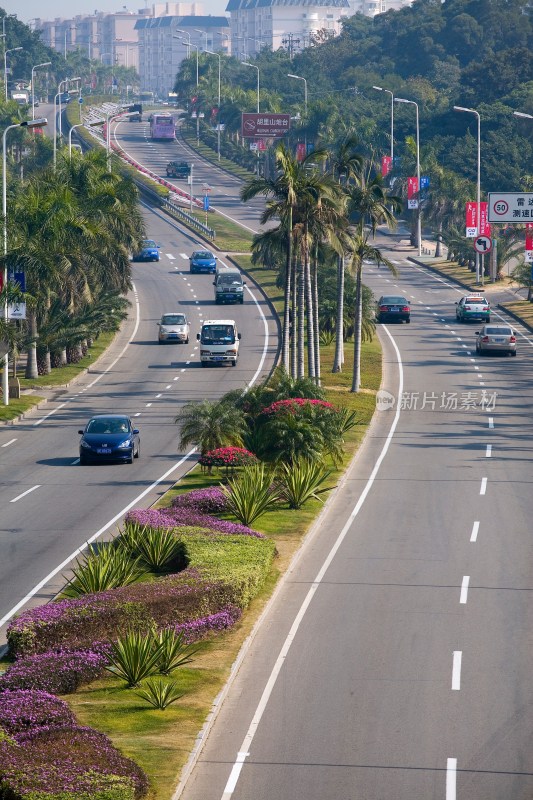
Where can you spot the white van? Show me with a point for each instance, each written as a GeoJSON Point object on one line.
{"type": "Point", "coordinates": [219, 342]}
{"type": "Point", "coordinates": [229, 285]}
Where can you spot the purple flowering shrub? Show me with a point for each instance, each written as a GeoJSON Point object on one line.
{"type": "Point", "coordinates": [76, 623]}
{"type": "Point", "coordinates": [24, 709]}
{"type": "Point", "coordinates": [68, 763]}
{"type": "Point", "coordinates": [183, 517]}
{"type": "Point", "coordinates": [211, 500]}
{"type": "Point", "coordinates": [58, 672]}
{"type": "Point", "coordinates": [196, 629]}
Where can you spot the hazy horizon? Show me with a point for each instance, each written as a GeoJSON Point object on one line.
{"type": "Point", "coordinates": [71, 8]}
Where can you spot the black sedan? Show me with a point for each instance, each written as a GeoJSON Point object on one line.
{"type": "Point", "coordinates": [109, 437]}
{"type": "Point", "coordinates": [392, 308]}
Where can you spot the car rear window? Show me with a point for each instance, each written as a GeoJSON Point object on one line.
{"type": "Point", "coordinates": [498, 331]}
{"type": "Point", "coordinates": [473, 300]}
{"type": "Point", "coordinates": [394, 301]}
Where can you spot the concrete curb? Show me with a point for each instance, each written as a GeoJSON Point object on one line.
{"type": "Point", "coordinates": [516, 317]}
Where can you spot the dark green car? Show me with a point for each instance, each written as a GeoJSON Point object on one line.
{"type": "Point", "coordinates": [473, 307]}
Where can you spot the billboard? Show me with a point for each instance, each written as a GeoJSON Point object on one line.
{"type": "Point", "coordinates": [510, 206]}
{"type": "Point", "coordinates": [269, 126]}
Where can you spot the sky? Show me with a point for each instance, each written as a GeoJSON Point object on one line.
{"type": "Point", "coordinates": [29, 9]}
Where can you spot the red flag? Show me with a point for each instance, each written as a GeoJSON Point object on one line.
{"type": "Point", "coordinates": [412, 192]}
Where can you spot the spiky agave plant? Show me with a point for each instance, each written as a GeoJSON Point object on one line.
{"type": "Point", "coordinates": [160, 693]}
{"type": "Point", "coordinates": [173, 652]}
{"type": "Point", "coordinates": [101, 568]}
{"type": "Point", "coordinates": [303, 480]}
{"type": "Point", "coordinates": [251, 494]}
{"type": "Point", "coordinates": [133, 657]}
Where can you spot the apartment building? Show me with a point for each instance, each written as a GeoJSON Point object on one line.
{"type": "Point", "coordinates": [165, 41]}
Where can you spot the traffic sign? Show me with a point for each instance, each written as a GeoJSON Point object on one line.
{"type": "Point", "coordinates": [206, 202]}
{"type": "Point", "coordinates": [510, 206]}
{"type": "Point", "coordinates": [483, 244]}
{"type": "Point", "coordinates": [80, 100]}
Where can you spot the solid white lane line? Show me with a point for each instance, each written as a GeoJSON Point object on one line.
{"type": "Point", "coordinates": [475, 531]}
{"type": "Point", "coordinates": [53, 411]}
{"type": "Point", "coordinates": [491, 422]}
{"type": "Point", "coordinates": [8, 443]}
{"type": "Point", "coordinates": [456, 670]}
{"type": "Point", "coordinates": [488, 454]}
{"type": "Point", "coordinates": [267, 691]}
{"type": "Point", "coordinates": [28, 491]}
{"type": "Point", "coordinates": [464, 589]}
{"type": "Point", "coordinates": [451, 779]}
{"type": "Point", "coordinates": [483, 488]}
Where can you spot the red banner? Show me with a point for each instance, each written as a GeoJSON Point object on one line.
{"type": "Point", "coordinates": [386, 165]}
{"type": "Point", "coordinates": [300, 151]}
{"type": "Point", "coordinates": [529, 243]}
{"type": "Point", "coordinates": [484, 224]}
{"type": "Point", "coordinates": [412, 192]}
{"type": "Point", "coordinates": [471, 220]}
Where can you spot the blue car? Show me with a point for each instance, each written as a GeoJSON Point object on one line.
{"type": "Point", "coordinates": [109, 437]}
{"type": "Point", "coordinates": [149, 251]}
{"type": "Point", "coordinates": [203, 261]}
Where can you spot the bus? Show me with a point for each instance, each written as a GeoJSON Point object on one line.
{"type": "Point", "coordinates": [162, 127]}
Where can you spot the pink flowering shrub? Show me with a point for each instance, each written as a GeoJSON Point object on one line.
{"type": "Point", "coordinates": [211, 500]}
{"type": "Point", "coordinates": [183, 517]}
{"type": "Point", "coordinates": [58, 672]}
{"type": "Point", "coordinates": [68, 763]}
{"type": "Point", "coordinates": [293, 404]}
{"type": "Point", "coordinates": [23, 710]}
{"type": "Point", "coordinates": [228, 457]}
{"type": "Point", "coordinates": [196, 629]}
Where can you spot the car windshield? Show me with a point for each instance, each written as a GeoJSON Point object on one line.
{"type": "Point", "coordinates": [230, 280]}
{"type": "Point", "coordinates": [108, 425]}
{"type": "Point", "coordinates": [149, 243]}
{"type": "Point", "coordinates": [388, 301]}
{"type": "Point", "coordinates": [498, 331]}
{"type": "Point", "coordinates": [173, 319]}
{"type": "Point", "coordinates": [218, 334]}
{"type": "Point", "coordinates": [202, 254]}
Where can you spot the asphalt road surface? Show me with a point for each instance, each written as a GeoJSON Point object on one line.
{"type": "Point", "coordinates": [49, 504]}
{"type": "Point", "coordinates": [394, 662]}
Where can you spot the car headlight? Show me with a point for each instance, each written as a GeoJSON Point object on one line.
{"type": "Point", "coordinates": [83, 443]}
{"type": "Point", "coordinates": [164, 330]}
{"type": "Point", "coordinates": [124, 444]}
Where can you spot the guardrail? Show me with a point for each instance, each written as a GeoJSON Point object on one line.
{"type": "Point", "coordinates": [178, 212]}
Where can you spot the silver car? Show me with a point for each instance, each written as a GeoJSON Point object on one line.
{"type": "Point", "coordinates": [173, 328]}
{"type": "Point", "coordinates": [496, 339]}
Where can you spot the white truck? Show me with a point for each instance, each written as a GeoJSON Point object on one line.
{"type": "Point", "coordinates": [20, 96]}
{"type": "Point", "coordinates": [219, 342]}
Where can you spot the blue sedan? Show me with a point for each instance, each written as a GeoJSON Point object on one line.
{"type": "Point", "coordinates": [149, 251]}
{"type": "Point", "coordinates": [203, 261]}
{"type": "Point", "coordinates": [109, 437]}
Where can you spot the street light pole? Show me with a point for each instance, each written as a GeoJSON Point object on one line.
{"type": "Point", "coordinates": [185, 33]}
{"type": "Point", "coordinates": [203, 33]}
{"type": "Point", "coordinates": [478, 201]}
{"type": "Point", "coordinates": [211, 53]}
{"type": "Point", "coordinates": [78, 125]}
{"type": "Point", "coordinates": [44, 64]}
{"type": "Point", "coordinates": [419, 210]}
{"type": "Point", "coordinates": [380, 89]}
{"type": "Point", "coordinates": [11, 50]}
{"type": "Point", "coordinates": [247, 64]}
{"type": "Point", "coordinates": [68, 30]}
{"type": "Point", "coordinates": [41, 122]}
{"type": "Point", "coordinates": [299, 78]}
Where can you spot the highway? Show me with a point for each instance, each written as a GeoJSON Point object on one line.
{"type": "Point", "coordinates": [394, 661]}
{"type": "Point", "coordinates": [51, 505]}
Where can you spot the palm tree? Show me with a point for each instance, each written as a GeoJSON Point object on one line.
{"type": "Point", "coordinates": [345, 165]}
{"type": "Point", "coordinates": [371, 205]}
{"type": "Point", "coordinates": [210, 425]}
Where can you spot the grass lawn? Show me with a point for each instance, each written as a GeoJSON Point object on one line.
{"type": "Point", "coordinates": [522, 309]}
{"type": "Point", "coordinates": [451, 269]}
{"type": "Point", "coordinates": [18, 407]}
{"type": "Point", "coordinates": [62, 375]}
{"type": "Point", "coordinates": [229, 236]}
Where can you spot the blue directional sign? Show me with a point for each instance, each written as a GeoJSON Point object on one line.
{"type": "Point", "coordinates": [424, 182]}
{"type": "Point", "coordinates": [19, 278]}
{"type": "Point", "coordinates": [206, 202]}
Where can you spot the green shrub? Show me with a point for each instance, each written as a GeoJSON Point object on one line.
{"type": "Point", "coordinates": [251, 494]}
{"type": "Point", "coordinates": [102, 567]}
{"type": "Point", "coordinates": [160, 693]}
{"type": "Point", "coordinates": [133, 657]}
{"type": "Point", "coordinates": [302, 481]}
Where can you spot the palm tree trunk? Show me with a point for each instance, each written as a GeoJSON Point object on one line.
{"type": "Point", "coordinates": [339, 323]}
{"type": "Point", "coordinates": [287, 300]}
{"type": "Point", "coordinates": [438, 248]}
{"type": "Point", "coordinates": [358, 317]}
{"type": "Point", "coordinates": [31, 364]}
{"type": "Point", "coordinates": [294, 316]}
{"type": "Point", "coordinates": [300, 345]}
{"type": "Point", "coordinates": [316, 325]}
{"type": "Point", "coordinates": [309, 317]}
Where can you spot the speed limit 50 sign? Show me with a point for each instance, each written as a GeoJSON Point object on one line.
{"type": "Point", "coordinates": [510, 206]}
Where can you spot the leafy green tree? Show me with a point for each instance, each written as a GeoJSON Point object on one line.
{"type": "Point", "coordinates": [210, 425]}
